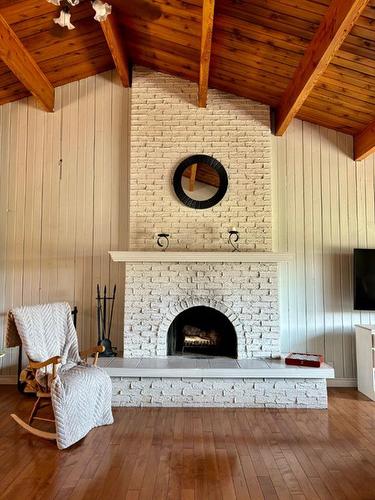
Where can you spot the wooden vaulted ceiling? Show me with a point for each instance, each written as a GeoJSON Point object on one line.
{"type": "Point", "coordinates": [258, 51]}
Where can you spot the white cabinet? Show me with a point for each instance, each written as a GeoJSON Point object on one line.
{"type": "Point", "coordinates": [365, 347]}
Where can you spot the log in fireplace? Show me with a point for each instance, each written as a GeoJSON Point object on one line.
{"type": "Point", "coordinates": [204, 331]}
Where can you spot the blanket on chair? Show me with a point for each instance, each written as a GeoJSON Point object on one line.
{"type": "Point", "coordinates": [80, 394]}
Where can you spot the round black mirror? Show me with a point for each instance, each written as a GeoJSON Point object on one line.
{"type": "Point", "coordinates": [200, 181]}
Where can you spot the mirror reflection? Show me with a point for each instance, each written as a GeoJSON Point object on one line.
{"type": "Point", "coordinates": [200, 181]}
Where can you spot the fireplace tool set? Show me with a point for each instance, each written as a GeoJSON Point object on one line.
{"type": "Point", "coordinates": [105, 305]}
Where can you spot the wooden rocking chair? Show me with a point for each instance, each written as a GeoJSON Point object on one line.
{"type": "Point", "coordinates": [42, 391]}
{"type": "Point", "coordinates": [44, 396]}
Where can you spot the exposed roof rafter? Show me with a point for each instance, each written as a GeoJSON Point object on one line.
{"type": "Point", "coordinates": [364, 142]}
{"type": "Point", "coordinates": [23, 66]}
{"type": "Point", "coordinates": [117, 49]}
{"type": "Point", "coordinates": [206, 42]}
{"type": "Point", "coordinates": [335, 26]}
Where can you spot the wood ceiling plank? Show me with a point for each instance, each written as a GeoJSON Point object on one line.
{"type": "Point", "coordinates": [342, 123]}
{"type": "Point", "coordinates": [283, 47]}
{"type": "Point", "coordinates": [335, 94]}
{"type": "Point", "coordinates": [361, 70]}
{"type": "Point", "coordinates": [364, 142]}
{"type": "Point", "coordinates": [23, 65]}
{"type": "Point", "coordinates": [13, 93]}
{"type": "Point", "coordinates": [262, 15]}
{"type": "Point", "coordinates": [170, 19]}
{"type": "Point", "coordinates": [369, 11]}
{"type": "Point", "coordinates": [250, 32]}
{"type": "Point", "coordinates": [336, 110]}
{"type": "Point", "coordinates": [165, 33]}
{"type": "Point", "coordinates": [17, 11]}
{"type": "Point", "coordinates": [312, 116]}
{"type": "Point", "coordinates": [300, 12]}
{"type": "Point", "coordinates": [181, 9]}
{"type": "Point", "coordinates": [183, 5]}
{"type": "Point", "coordinates": [6, 75]}
{"type": "Point", "coordinates": [350, 79]}
{"type": "Point", "coordinates": [237, 72]}
{"type": "Point", "coordinates": [355, 62]}
{"type": "Point", "coordinates": [235, 40]}
{"type": "Point", "coordinates": [164, 66]}
{"type": "Point", "coordinates": [184, 53]}
{"type": "Point", "coordinates": [32, 11]}
{"type": "Point", "coordinates": [360, 47]}
{"type": "Point", "coordinates": [116, 47]}
{"type": "Point", "coordinates": [206, 43]}
{"type": "Point", "coordinates": [154, 36]}
{"type": "Point", "coordinates": [162, 55]}
{"type": "Point", "coordinates": [56, 68]}
{"type": "Point", "coordinates": [346, 89]}
{"type": "Point", "coordinates": [44, 24]}
{"type": "Point", "coordinates": [55, 48]}
{"type": "Point", "coordinates": [85, 69]}
{"type": "Point", "coordinates": [53, 34]}
{"type": "Point", "coordinates": [223, 81]}
{"type": "Point", "coordinates": [337, 22]}
{"type": "Point", "coordinates": [310, 11]}
{"type": "Point", "coordinates": [269, 16]}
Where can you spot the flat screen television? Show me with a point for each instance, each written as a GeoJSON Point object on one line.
{"type": "Point", "coordinates": [364, 279]}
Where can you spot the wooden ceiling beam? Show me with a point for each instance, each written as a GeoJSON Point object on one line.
{"type": "Point", "coordinates": [24, 67]}
{"type": "Point", "coordinates": [116, 46]}
{"type": "Point", "coordinates": [206, 42]}
{"type": "Point", "coordinates": [335, 26]}
{"type": "Point", "coordinates": [364, 142]}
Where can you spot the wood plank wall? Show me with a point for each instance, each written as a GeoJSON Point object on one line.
{"type": "Point", "coordinates": [58, 223]}
{"type": "Point", "coordinates": [323, 208]}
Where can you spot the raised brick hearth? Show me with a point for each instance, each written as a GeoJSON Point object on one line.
{"type": "Point", "coordinates": [179, 381]}
{"type": "Point", "coordinates": [213, 392]}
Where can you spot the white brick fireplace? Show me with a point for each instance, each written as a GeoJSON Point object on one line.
{"type": "Point", "coordinates": [198, 269]}
{"type": "Point", "coordinates": [166, 127]}
{"type": "Point", "coordinates": [246, 293]}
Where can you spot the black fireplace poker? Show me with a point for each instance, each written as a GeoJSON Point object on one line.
{"type": "Point", "coordinates": [105, 303]}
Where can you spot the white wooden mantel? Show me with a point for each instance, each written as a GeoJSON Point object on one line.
{"type": "Point", "coordinates": [213, 256]}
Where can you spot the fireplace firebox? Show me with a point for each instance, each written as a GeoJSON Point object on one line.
{"type": "Point", "coordinates": [202, 330]}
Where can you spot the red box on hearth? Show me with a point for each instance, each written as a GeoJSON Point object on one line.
{"type": "Point", "coordinates": [304, 359]}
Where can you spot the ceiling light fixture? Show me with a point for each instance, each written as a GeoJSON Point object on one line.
{"type": "Point", "coordinates": [64, 19]}
{"type": "Point", "coordinates": [102, 10]}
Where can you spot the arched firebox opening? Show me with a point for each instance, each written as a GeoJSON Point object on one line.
{"type": "Point", "coordinates": [202, 330]}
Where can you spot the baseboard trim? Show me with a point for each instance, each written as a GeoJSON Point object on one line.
{"type": "Point", "coordinates": [342, 382]}
{"type": "Point", "coordinates": [8, 379]}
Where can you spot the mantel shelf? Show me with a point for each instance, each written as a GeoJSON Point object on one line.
{"type": "Point", "coordinates": [213, 256]}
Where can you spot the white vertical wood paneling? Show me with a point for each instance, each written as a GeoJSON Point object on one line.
{"type": "Point", "coordinates": [56, 229]}
{"type": "Point", "coordinates": [323, 208]}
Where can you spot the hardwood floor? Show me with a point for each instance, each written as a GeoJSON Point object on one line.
{"type": "Point", "coordinates": [199, 454]}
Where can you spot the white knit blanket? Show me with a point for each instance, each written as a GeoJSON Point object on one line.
{"type": "Point", "coordinates": [81, 394]}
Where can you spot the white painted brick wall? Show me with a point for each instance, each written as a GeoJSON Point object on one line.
{"type": "Point", "coordinates": [246, 293]}
{"type": "Point", "coordinates": [212, 392]}
{"type": "Point", "coordinates": [166, 127]}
